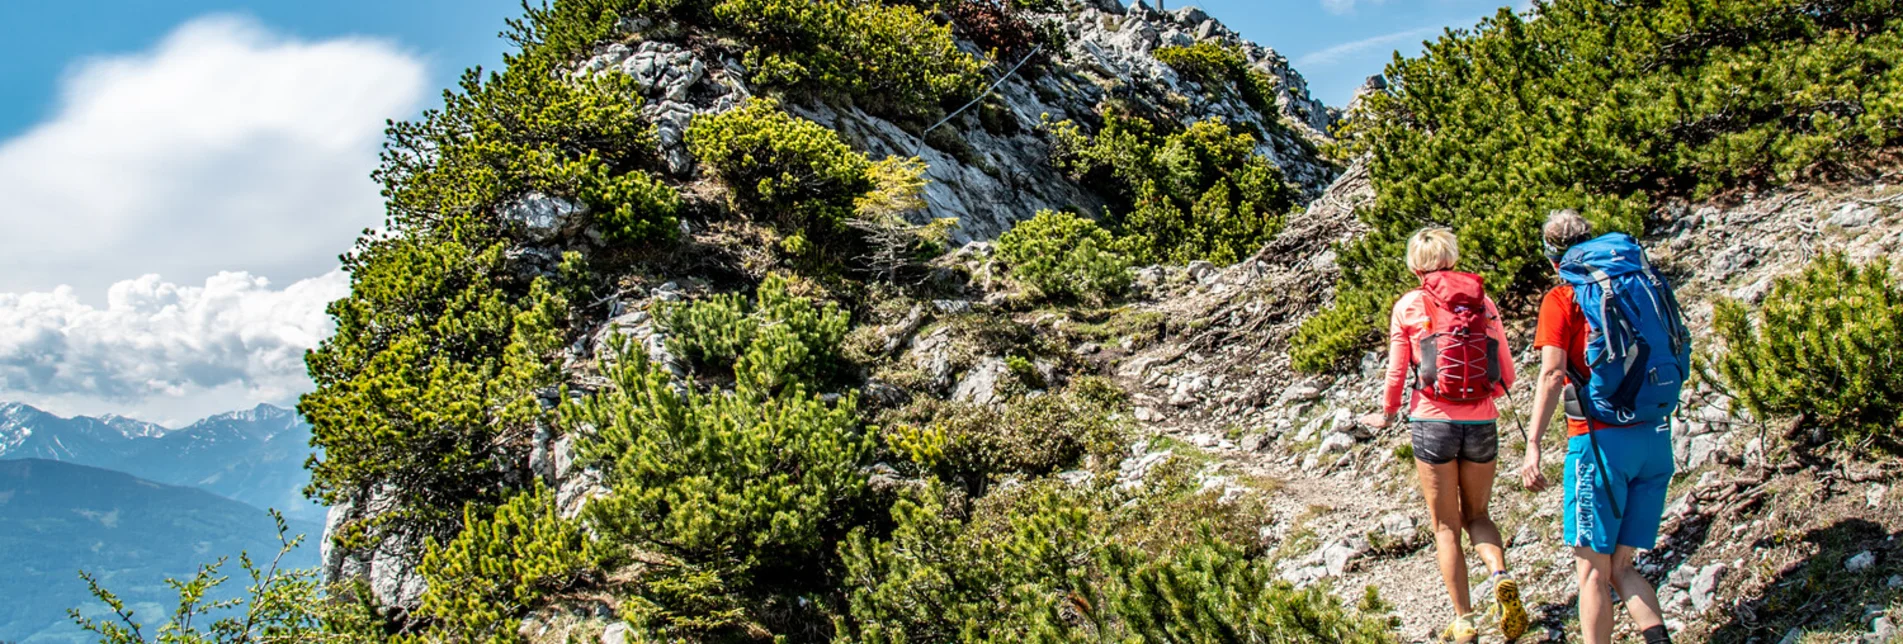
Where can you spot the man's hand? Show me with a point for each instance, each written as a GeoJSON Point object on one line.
{"type": "Point", "coordinates": [1377, 421]}
{"type": "Point", "coordinates": [1530, 474]}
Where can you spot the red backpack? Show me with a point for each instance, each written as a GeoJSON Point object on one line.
{"type": "Point", "coordinates": [1457, 360]}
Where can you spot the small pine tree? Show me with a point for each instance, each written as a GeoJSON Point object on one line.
{"type": "Point", "coordinates": [1180, 193]}
{"type": "Point", "coordinates": [1066, 257]}
{"type": "Point", "coordinates": [743, 491]}
{"type": "Point", "coordinates": [1826, 344]}
{"type": "Point", "coordinates": [500, 566]}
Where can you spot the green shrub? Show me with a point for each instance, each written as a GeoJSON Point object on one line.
{"type": "Point", "coordinates": [779, 338]}
{"type": "Point", "coordinates": [502, 564]}
{"type": "Point", "coordinates": [526, 130]}
{"type": "Point", "coordinates": [1049, 562]}
{"type": "Point", "coordinates": [743, 491]}
{"type": "Point", "coordinates": [1825, 345]}
{"type": "Point", "coordinates": [997, 578]}
{"type": "Point", "coordinates": [1214, 591]}
{"type": "Point", "coordinates": [1200, 192]}
{"type": "Point", "coordinates": [889, 56]}
{"type": "Point", "coordinates": [426, 389]}
{"type": "Point", "coordinates": [1606, 107]}
{"type": "Point", "coordinates": [1066, 257]}
{"type": "Point", "coordinates": [788, 170]}
{"type": "Point", "coordinates": [1224, 68]}
{"type": "Point", "coordinates": [975, 446]}
{"type": "Point", "coordinates": [1334, 333]}
{"type": "Point", "coordinates": [428, 383]}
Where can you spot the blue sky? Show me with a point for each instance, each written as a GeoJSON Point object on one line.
{"type": "Point", "coordinates": [1336, 43]}
{"type": "Point", "coordinates": [181, 175]}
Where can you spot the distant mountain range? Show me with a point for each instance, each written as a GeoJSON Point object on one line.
{"type": "Point", "coordinates": [59, 518]}
{"type": "Point", "coordinates": [255, 456]}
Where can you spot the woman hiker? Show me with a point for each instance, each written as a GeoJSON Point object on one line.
{"type": "Point", "coordinates": [1447, 335]}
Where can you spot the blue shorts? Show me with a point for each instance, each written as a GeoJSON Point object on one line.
{"type": "Point", "coordinates": [1638, 467]}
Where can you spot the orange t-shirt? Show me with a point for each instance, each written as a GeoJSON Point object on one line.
{"type": "Point", "coordinates": [1563, 325]}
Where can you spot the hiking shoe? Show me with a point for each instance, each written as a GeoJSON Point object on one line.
{"type": "Point", "coordinates": [1462, 631]}
{"type": "Point", "coordinates": [1506, 596]}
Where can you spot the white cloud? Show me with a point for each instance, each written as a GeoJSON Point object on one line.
{"type": "Point", "coordinates": [1383, 44]}
{"type": "Point", "coordinates": [161, 351]}
{"type": "Point", "coordinates": [224, 155]}
{"type": "Point", "coordinates": [225, 147]}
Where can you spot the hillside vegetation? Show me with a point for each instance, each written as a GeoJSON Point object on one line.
{"type": "Point", "coordinates": [579, 391]}
{"type": "Point", "coordinates": [1608, 107]}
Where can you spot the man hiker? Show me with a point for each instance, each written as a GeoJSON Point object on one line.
{"type": "Point", "coordinates": [1613, 345]}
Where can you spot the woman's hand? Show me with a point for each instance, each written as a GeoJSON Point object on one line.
{"type": "Point", "coordinates": [1377, 421]}
{"type": "Point", "coordinates": [1530, 474]}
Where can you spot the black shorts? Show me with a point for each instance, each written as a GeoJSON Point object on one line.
{"type": "Point", "coordinates": [1438, 442]}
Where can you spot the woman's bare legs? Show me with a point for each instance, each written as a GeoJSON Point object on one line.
{"type": "Point", "coordinates": [1440, 485]}
{"type": "Point", "coordinates": [1476, 491]}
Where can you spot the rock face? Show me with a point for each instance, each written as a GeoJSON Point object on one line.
{"type": "Point", "coordinates": [989, 173]}
{"type": "Point", "coordinates": [389, 568]}
{"type": "Point", "coordinates": [678, 83]}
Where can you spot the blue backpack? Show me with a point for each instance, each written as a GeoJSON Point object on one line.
{"type": "Point", "coordinates": [1638, 351]}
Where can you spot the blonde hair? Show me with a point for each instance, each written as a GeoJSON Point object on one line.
{"type": "Point", "coordinates": [1564, 228]}
{"type": "Point", "coordinates": [1432, 249]}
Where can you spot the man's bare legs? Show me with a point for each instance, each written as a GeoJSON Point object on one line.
{"type": "Point", "coordinates": [1601, 573]}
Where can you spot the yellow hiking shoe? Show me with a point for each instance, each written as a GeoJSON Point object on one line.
{"type": "Point", "coordinates": [1506, 596]}
{"type": "Point", "coordinates": [1462, 631]}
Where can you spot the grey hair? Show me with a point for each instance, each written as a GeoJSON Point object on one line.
{"type": "Point", "coordinates": [1565, 227]}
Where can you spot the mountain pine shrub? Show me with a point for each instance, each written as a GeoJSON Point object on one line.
{"type": "Point", "coordinates": [1054, 562]}
{"type": "Point", "coordinates": [891, 57]}
{"type": "Point", "coordinates": [1604, 106]}
{"type": "Point", "coordinates": [427, 387]}
{"type": "Point", "coordinates": [500, 566]}
{"type": "Point", "coordinates": [1211, 590]}
{"type": "Point", "coordinates": [428, 383]}
{"type": "Point", "coordinates": [1825, 344]}
{"type": "Point", "coordinates": [793, 172]}
{"type": "Point", "coordinates": [774, 340]}
{"type": "Point", "coordinates": [742, 492]}
{"type": "Point", "coordinates": [975, 446]}
{"type": "Point", "coordinates": [1180, 195]}
{"type": "Point", "coordinates": [1066, 257]}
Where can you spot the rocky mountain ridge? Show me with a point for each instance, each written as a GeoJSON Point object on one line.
{"type": "Point", "coordinates": [1216, 385]}
{"type": "Point", "coordinates": [989, 171]}
{"type": "Point", "coordinates": [1201, 350]}
{"type": "Point", "coordinates": [254, 455]}
{"type": "Point", "coordinates": [1211, 384]}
